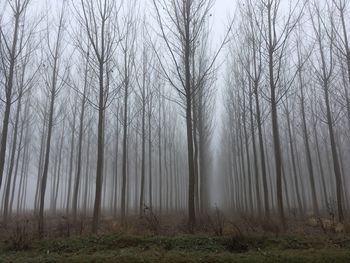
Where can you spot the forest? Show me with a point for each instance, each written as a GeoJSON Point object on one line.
{"type": "Point", "coordinates": [147, 131]}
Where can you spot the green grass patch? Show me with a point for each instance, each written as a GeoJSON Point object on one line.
{"type": "Point", "coordinates": [133, 249]}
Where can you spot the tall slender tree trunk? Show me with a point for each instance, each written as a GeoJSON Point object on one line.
{"type": "Point", "coordinates": [100, 149]}
{"type": "Point", "coordinates": [160, 154]}
{"type": "Point", "coordinates": [196, 149]}
{"type": "Point", "coordinates": [116, 169]}
{"type": "Point", "coordinates": [41, 159]}
{"type": "Point", "coordinates": [53, 94]}
{"type": "Point", "coordinates": [307, 146]}
{"type": "Point", "coordinates": [56, 186]}
{"type": "Point", "coordinates": [80, 142]}
{"type": "Point", "coordinates": [189, 91]}
{"type": "Point", "coordinates": [12, 159]}
{"type": "Point", "coordinates": [191, 191]}
{"type": "Point", "coordinates": [274, 120]}
{"type": "Point", "coordinates": [71, 159]}
{"type": "Point", "coordinates": [14, 184]}
{"type": "Point", "coordinates": [325, 78]}
{"type": "Point", "coordinates": [319, 158]}
{"type": "Point", "coordinates": [255, 157]}
{"type": "Point", "coordinates": [125, 135]}
{"type": "Point", "coordinates": [248, 174]}
{"type": "Point", "coordinates": [295, 173]}
{"type": "Point", "coordinates": [150, 157]}
{"type": "Point", "coordinates": [24, 171]}
{"type": "Point", "coordinates": [336, 167]}
{"type": "Point", "coordinates": [143, 150]}
{"type": "Point", "coordinates": [87, 173]}
{"type": "Point", "coordinates": [46, 163]}
{"type": "Point", "coordinates": [25, 159]}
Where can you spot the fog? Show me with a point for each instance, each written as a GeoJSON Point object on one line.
{"type": "Point", "coordinates": [122, 109]}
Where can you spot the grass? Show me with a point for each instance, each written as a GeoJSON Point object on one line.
{"type": "Point", "coordinates": [198, 248]}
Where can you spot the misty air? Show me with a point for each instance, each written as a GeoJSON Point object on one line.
{"type": "Point", "coordinates": [174, 131]}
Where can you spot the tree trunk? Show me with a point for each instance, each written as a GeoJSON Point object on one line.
{"type": "Point", "coordinates": [160, 155]}
{"type": "Point", "coordinates": [255, 157]}
{"type": "Point", "coordinates": [12, 159]}
{"type": "Point", "coordinates": [80, 142]}
{"type": "Point", "coordinates": [125, 135]}
{"type": "Point", "coordinates": [275, 127]}
{"type": "Point", "coordinates": [100, 151]}
{"type": "Point", "coordinates": [295, 174]}
{"type": "Point", "coordinates": [71, 159]}
{"type": "Point", "coordinates": [307, 147]}
{"type": "Point", "coordinates": [53, 94]}
{"type": "Point", "coordinates": [87, 172]}
{"type": "Point", "coordinates": [143, 150]}
{"type": "Point", "coordinates": [150, 157]}
{"type": "Point", "coordinates": [262, 152]}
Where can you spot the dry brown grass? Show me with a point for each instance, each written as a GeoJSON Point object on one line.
{"type": "Point", "coordinates": [214, 224]}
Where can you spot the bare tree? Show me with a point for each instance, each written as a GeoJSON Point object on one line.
{"type": "Point", "coordinates": [23, 81]}
{"type": "Point", "coordinates": [128, 57]}
{"type": "Point", "coordinates": [256, 50]}
{"type": "Point", "coordinates": [53, 87]}
{"type": "Point", "coordinates": [306, 136]}
{"type": "Point", "coordinates": [99, 22]}
{"type": "Point", "coordinates": [325, 73]}
{"type": "Point", "coordinates": [10, 52]}
{"type": "Point", "coordinates": [80, 136]}
{"type": "Point", "coordinates": [142, 85]}
{"type": "Point", "coordinates": [72, 125]}
{"type": "Point", "coordinates": [181, 25]}
{"type": "Point", "coordinates": [276, 43]}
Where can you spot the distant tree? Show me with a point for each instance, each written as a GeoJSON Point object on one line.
{"type": "Point", "coordinates": [181, 25]}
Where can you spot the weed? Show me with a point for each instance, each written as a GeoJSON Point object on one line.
{"type": "Point", "coordinates": [236, 244]}
{"type": "Point", "coordinates": [20, 240]}
{"type": "Point", "coordinates": [217, 222]}
{"type": "Point", "coordinates": [153, 223]}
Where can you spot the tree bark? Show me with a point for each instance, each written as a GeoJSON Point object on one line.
{"type": "Point", "coordinates": [80, 142]}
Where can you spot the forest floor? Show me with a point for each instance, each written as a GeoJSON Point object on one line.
{"type": "Point", "coordinates": [194, 248]}
{"type": "Point", "coordinates": [301, 243]}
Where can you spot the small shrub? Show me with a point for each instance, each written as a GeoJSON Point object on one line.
{"type": "Point", "coordinates": [270, 227]}
{"type": "Point", "coordinates": [312, 221]}
{"type": "Point", "coordinates": [153, 223]}
{"type": "Point", "coordinates": [63, 227]}
{"type": "Point", "coordinates": [236, 229]}
{"type": "Point", "coordinates": [236, 244]}
{"type": "Point", "coordinates": [249, 223]}
{"type": "Point", "coordinates": [332, 208]}
{"type": "Point", "coordinates": [347, 228]}
{"type": "Point", "coordinates": [19, 239]}
{"type": "Point", "coordinates": [295, 243]}
{"type": "Point", "coordinates": [294, 212]}
{"type": "Point", "coordinates": [327, 225]}
{"type": "Point", "coordinates": [217, 222]}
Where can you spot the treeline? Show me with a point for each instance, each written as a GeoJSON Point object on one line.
{"type": "Point", "coordinates": [108, 111]}
{"type": "Point", "coordinates": [98, 102]}
{"type": "Point", "coordinates": [285, 137]}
